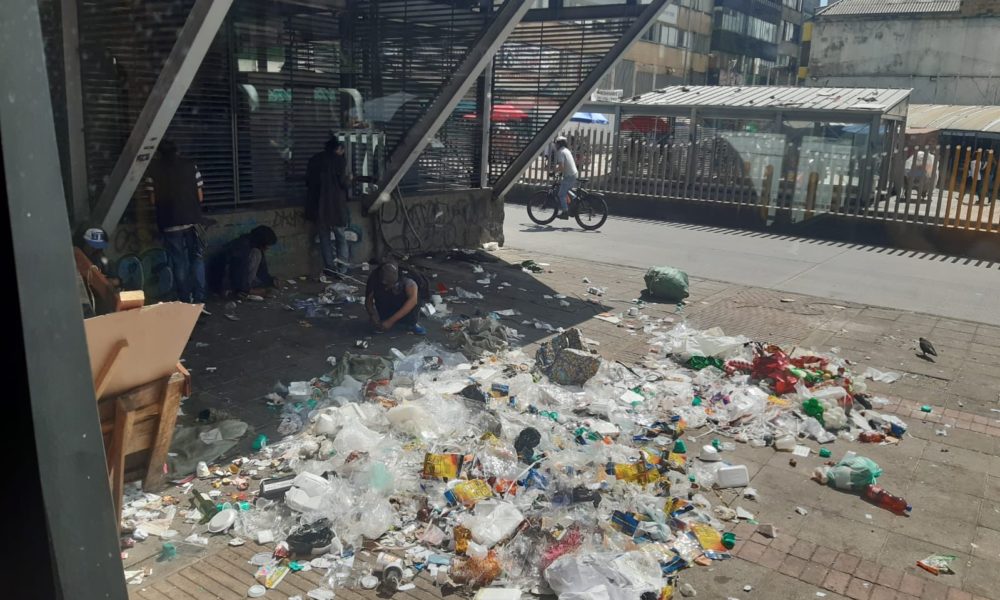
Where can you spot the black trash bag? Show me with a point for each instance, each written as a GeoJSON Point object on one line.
{"type": "Point", "coordinates": [525, 444]}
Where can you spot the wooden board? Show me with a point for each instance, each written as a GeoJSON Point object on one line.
{"type": "Point", "coordinates": [155, 337]}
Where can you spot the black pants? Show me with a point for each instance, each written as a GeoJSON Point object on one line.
{"type": "Point", "coordinates": [387, 309]}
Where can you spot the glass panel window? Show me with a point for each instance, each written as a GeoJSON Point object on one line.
{"type": "Point", "coordinates": [762, 30]}
{"type": "Point", "coordinates": [733, 20]}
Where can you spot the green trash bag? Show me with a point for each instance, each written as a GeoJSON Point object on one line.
{"type": "Point", "coordinates": [854, 473]}
{"type": "Point", "coordinates": [667, 283]}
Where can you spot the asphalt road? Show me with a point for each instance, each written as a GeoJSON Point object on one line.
{"type": "Point", "coordinates": [941, 285]}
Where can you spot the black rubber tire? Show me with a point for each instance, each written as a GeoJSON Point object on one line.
{"type": "Point", "coordinates": [591, 205]}
{"type": "Point", "coordinates": [538, 203]}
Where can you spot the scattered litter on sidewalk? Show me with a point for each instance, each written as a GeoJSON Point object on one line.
{"type": "Point", "coordinates": [488, 468]}
{"type": "Point", "coordinates": [936, 564]}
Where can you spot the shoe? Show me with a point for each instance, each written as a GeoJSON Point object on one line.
{"type": "Point", "coordinates": [205, 313]}
{"type": "Point", "coordinates": [315, 539]}
{"type": "Point", "coordinates": [563, 215]}
{"type": "Point", "coordinates": [419, 330]}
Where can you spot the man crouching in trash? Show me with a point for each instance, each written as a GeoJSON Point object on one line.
{"type": "Point", "coordinates": [392, 299]}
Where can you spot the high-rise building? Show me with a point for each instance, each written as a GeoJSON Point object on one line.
{"type": "Point", "coordinates": [757, 41]}
{"type": "Point", "coordinates": [674, 50]}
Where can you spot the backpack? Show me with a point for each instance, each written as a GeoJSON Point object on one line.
{"type": "Point", "coordinates": [423, 283]}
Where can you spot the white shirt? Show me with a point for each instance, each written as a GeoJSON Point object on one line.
{"type": "Point", "coordinates": [564, 158]}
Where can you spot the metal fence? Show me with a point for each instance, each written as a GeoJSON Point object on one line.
{"type": "Point", "coordinates": [946, 186]}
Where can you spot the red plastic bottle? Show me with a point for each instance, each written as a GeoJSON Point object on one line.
{"type": "Point", "coordinates": [871, 437]}
{"type": "Point", "coordinates": [880, 497]}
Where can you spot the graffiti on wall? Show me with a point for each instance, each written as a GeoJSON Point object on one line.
{"type": "Point", "coordinates": [141, 262]}
{"type": "Point", "coordinates": [443, 223]}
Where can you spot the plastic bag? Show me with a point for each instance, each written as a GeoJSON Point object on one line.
{"type": "Point", "coordinates": [667, 283]}
{"type": "Point", "coordinates": [604, 576]}
{"type": "Point", "coordinates": [685, 342]}
{"type": "Point", "coordinates": [492, 523]}
{"type": "Point", "coordinates": [412, 419]}
{"type": "Point", "coordinates": [349, 390]}
{"type": "Point", "coordinates": [356, 438]}
{"type": "Point", "coordinates": [881, 376]}
{"type": "Point", "coordinates": [815, 430]}
{"type": "Point", "coordinates": [745, 402]}
{"type": "Point", "coordinates": [375, 515]}
{"type": "Point", "coordinates": [853, 474]}
{"type": "Point", "coordinates": [290, 424]}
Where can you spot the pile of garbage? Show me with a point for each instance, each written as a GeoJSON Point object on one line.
{"type": "Point", "coordinates": [560, 473]}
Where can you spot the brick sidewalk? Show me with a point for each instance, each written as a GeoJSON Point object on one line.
{"type": "Point", "coordinates": [842, 547]}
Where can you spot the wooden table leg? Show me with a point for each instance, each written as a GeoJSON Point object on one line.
{"type": "Point", "coordinates": [124, 422]}
{"type": "Point", "coordinates": [153, 481]}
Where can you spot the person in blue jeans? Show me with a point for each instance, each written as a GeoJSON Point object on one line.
{"type": "Point", "coordinates": [328, 183]}
{"type": "Point", "coordinates": [176, 191]}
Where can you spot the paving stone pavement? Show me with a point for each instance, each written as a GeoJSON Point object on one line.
{"type": "Point", "coordinates": [842, 547]}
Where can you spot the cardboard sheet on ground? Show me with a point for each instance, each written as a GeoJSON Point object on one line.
{"type": "Point", "coordinates": [156, 336]}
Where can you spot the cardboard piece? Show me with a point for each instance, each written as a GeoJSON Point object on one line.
{"type": "Point", "coordinates": [144, 344]}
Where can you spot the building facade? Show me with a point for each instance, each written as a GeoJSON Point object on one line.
{"type": "Point", "coordinates": [756, 42]}
{"type": "Point", "coordinates": [674, 50]}
{"type": "Point", "coordinates": [947, 51]}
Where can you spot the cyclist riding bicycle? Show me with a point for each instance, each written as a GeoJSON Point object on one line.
{"type": "Point", "coordinates": [565, 164]}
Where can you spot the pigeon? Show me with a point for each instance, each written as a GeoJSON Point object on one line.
{"type": "Point", "coordinates": [926, 347]}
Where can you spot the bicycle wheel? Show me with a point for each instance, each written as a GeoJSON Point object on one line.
{"type": "Point", "coordinates": [591, 211]}
{"type": "Point", "coordinates": [542, 208]}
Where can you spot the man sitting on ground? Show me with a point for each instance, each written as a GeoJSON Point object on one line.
{"type": "Point", "coordinates": [90, 261]}
{"type": "Point", "coordinates": [392, 299]}
{"type": "Point", "coordinates": [240, 268]}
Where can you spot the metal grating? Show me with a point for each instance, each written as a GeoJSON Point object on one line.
{"type": "Point", "coordinates": [123, 45]}
{"type": "Point", "coordinates": [535, 72]}
{"type": "Point", "coordinates": [888, 7]}
{"type": "Point", "coordinates": [287, 63]}
{"type": "Point", "coordinates": [269, 92]}
{"type": "Point", "coordinates": [407, 49]}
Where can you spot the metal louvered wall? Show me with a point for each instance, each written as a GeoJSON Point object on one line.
{"type": "Point", "coordinates": [123, 45]}
{"type": "Point", "coordinates": [535, 72]}
{"type": "Point", "coordinates": [287, 62]}
{"type": "Point", "coordinates": [269, 92]}
{"type": "Point", "coordinates": [407, 49]}
{"type": "Point", "coordinates": [264, 99]}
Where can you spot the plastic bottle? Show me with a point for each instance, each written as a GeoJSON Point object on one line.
{"type": "Point", "coordinates": [871, 437]}
{"type": "Point", "coordinates": [785, 443]}
{"type": "Point", "coordinates": [879, 497]}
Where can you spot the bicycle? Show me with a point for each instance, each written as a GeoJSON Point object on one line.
{"type": "Point", "coordinates": [588, 208]}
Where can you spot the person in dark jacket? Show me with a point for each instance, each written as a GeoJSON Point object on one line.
{"type": "Point", "coordinates": [328, 182]}
{"type": "Point", "coordinates": [175, 189]}
{"type": "Point", "coordinates": [241, 267]}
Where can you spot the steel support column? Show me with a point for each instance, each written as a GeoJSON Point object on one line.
{"type": "Point", "coordinates": [582, 13]}
{"type": "Point", "coordinates": [178, 71]}
{"type": "Point", "coordinates": [485, 108]}
{"type": "Point", "coordinates": [448, 97]}
{"type": "Point", "coordinates": [49, 370]}
{"type": "Point", "coordinates": [77, 151]}
{"type": "Point", "coordinates": [565, 112]}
